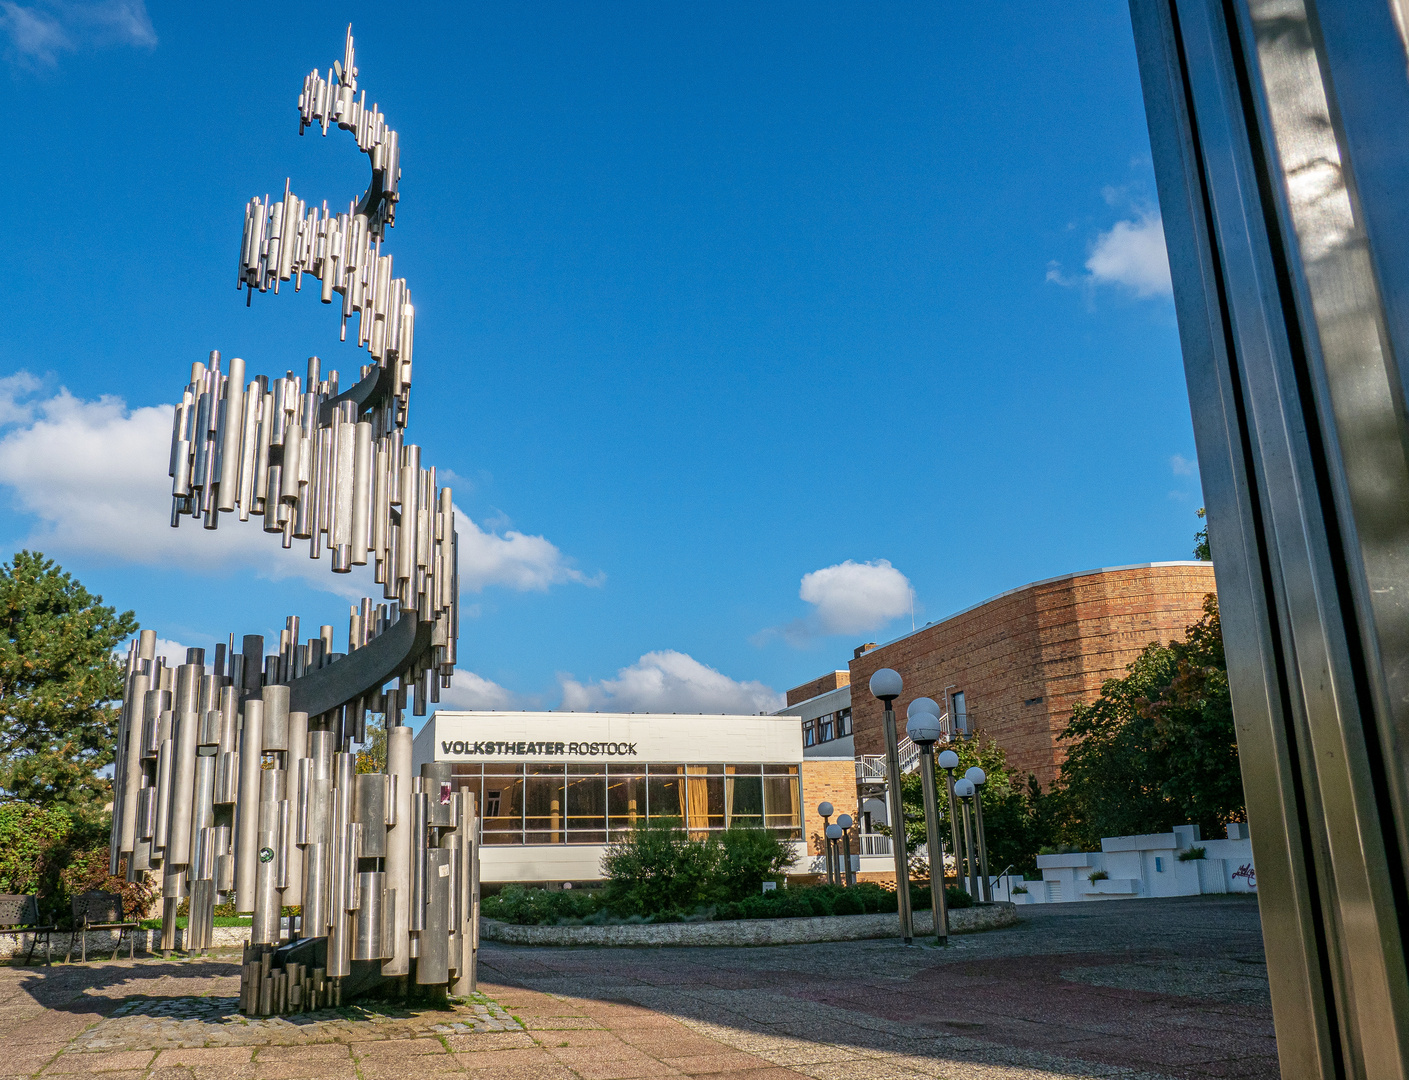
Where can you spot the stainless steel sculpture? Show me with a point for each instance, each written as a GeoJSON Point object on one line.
{"type": "Point", "coordinates": [237, 779]}
{"type": "Point", "coordinates": [1280, 131]}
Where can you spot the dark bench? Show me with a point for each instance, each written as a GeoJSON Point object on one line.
{"type": "Point", "coordinates": [101, 911]}
{"type": "Point", "coordinates": [19, 914]}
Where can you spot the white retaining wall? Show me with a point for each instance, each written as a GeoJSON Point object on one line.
{"type": "Point", "coordinates": [1146, 865]}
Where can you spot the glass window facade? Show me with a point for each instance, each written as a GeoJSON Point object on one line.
{"type": "Point", "coordinates": [593, 804]}
{"type": "Point", "coordinates": [827, 727]}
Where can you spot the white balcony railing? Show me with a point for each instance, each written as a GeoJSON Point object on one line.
{"type": "Point", "coordinates": [873, 844]}
{"type": "Point", "coordinates": [871, 768]}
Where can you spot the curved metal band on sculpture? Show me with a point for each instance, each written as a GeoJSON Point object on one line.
{"type": "Point", "coordinates": [367, 669]}
{"type": "Point", "coordinates": [372, 391]}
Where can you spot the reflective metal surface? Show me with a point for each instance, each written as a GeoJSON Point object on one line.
{"type": "Point", "coordinates": [238, 779]}
{"type": "Point", "coordinates": [1280, 132]}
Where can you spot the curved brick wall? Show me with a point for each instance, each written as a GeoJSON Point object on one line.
{"type": "Point", "coordinates": [1024, 658]}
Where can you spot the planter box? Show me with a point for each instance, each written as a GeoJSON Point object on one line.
{"type": "Point", "coordinates": [1115, 886]}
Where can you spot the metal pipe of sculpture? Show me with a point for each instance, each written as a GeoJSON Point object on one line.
{"type": "Point", "coordinates": [247, 808]}
{"type": "Point", "coordinates": [401, 840]}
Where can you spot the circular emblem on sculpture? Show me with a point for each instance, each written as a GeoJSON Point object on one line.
{"type": "Point", "coordinates": [266, 854]}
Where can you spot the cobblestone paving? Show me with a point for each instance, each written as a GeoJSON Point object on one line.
{"type": "Point", "coordinates": [1132, 989]}
{"type": "Point", "coordinates": [147, 1023]}
{"type": "Point", "coordinates": [1141, 990]}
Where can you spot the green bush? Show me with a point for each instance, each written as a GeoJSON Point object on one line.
{"type": "Point", "coordinates": [534, 907]}
{"type": "Point", "coordinates": [658, 871]}
{"type": "Point", "coordinates": [56, 854]}
{"type": "Point", "coordinates": [592, 907]}
{"type": "Point", "coordinates": [657, 868]}
{"type": "Point", "coordinates": [1193, 854]}
{"type": "Point", "coordinates": [745, 859]}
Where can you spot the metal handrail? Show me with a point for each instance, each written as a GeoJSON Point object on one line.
{"type": "Point", "coordinates": [872, 844]}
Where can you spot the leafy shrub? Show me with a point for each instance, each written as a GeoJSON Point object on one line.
{"type": "Point", "coordinates": [1097, 875]}
{"type": "Point", "coordinates": [745, 858]}
{"type": "Point", "coordinates": [534, 907]}
{"type": "Point", "coordinates": [658, 870]}
{"type": "Point", "coordinates": [56, 855]}
{"type": "Point", "coordinates": [1193, 854]}
{"type": "Point", "coordinates": [1020, 889]}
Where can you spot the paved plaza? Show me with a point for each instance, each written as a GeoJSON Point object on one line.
{"type": "Point", "coordinates": [1142, 988]}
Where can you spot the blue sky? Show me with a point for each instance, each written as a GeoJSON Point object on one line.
{"type": "Point", "coordinates": [738, 328]}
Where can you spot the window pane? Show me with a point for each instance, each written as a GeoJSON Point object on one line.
{"type": "Point", "coordinates": [705, 807]}
{"type": "Point", "coordinates": [744, 770]}
{"type": "Point", "coordinates": [844, 722]}
{"type": "Point", "coordinates": [780, 804]}
{"type": "Point", "coordinates": [745, 799]}
{"type": "Point", "coordinates": [587, 803]}
{"type": "Point", "coordinates": [587, 837]}
{"type": "Point", "coordinates": [474, 786]}
{"type": "Point", "coordinates": [667, 770]}
{"type": "Point", "coordinates": [826, 731]}
{"type": "Point", "coordinates": [775, 770]}
{"type": "Point", "coordinates": [667, 798]}
{"type": "Point", "coordinates": [503, 802]}
{"type": "Point", "coordinates": [626, 799]}
{"type": "Point", "coordinates": [626, 770]}
{"type": "Point", "coordinates": [579, 769]}
{"type": "Point", "coordinates": [543, 803]}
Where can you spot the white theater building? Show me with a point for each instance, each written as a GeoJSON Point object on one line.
{"type": "Point", "coordinates": [554, 787]}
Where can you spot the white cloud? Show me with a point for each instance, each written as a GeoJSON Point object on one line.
{"type": "Point", "coordinates": [1182, 466]}
{"type": "Point", "coordinates": [470, 691]}
{"type": "Point", "coordinates": [514, 560]}
{"type": "Point", "coordinates": [40, 32]}
{"type": "Point", "coordinates": [853, 597]}
{"type": "Point", "coordinates": [13, 389]}
{"type": "Point", "coordinates": [1132, 254]}
{"type": "Point", "coordinates": [848, 598]}
{"type": "Point", "coordinates": [670, 681]}
{"type": "Point", "coordinates": [94, 475]}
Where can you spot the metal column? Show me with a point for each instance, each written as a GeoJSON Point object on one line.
{"type": "Point", "coordinates": [1280, 131]}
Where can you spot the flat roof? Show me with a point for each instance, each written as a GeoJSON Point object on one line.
{"type": "Point", "coordinates": [1035, 584]}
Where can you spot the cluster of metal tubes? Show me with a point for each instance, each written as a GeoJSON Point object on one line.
{"type": "Point", "coordinates": [226, 791]}
{"type": "Point", "coordinates": [284, 240]}
{"type": "Point", "coordinates": [318, 468]}
{"type": "Point", "coordinates": [238, 779]}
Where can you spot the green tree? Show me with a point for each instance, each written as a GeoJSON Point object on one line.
{"type": "Point", "coordinates": [1201, 540]}
{"type": "Point", "coordinates": [59, 686]}
{"type": "Point", "coordinates": [1158, 747]}
{"type": "Point", "coordinates": [372, 757]}
{"type": "Point", "coordinates": [1015, 816]}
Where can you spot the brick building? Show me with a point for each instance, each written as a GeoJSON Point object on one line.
{"type": "Point", "coordinates": [1012, 667]}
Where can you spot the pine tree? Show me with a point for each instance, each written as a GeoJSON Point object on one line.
{"type": "Point", "coordinates": [60, 685]}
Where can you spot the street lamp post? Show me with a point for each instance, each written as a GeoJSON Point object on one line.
{"type": "Point", "coordinates": [824, 811]}
{"type": "Point", "coordinates": [964, 789]}
{"type": "Point", "coordinates": [848, 874]}
{"type": "Point", "coordinates": [949, 761]}
{"type": "Point", "coordinates": [886, 685]}
{"type": "Point", "coordinates": [923, 729]}
{"type": "Point", "coordinates": [978, 778]}
{"type": "Point", "coordinates": [834, 834]}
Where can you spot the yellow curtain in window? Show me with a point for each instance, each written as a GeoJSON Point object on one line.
{"type": "Point", "coordinates": [697, 801]}
{"type": "Point", "coordinates": [728, 795]}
